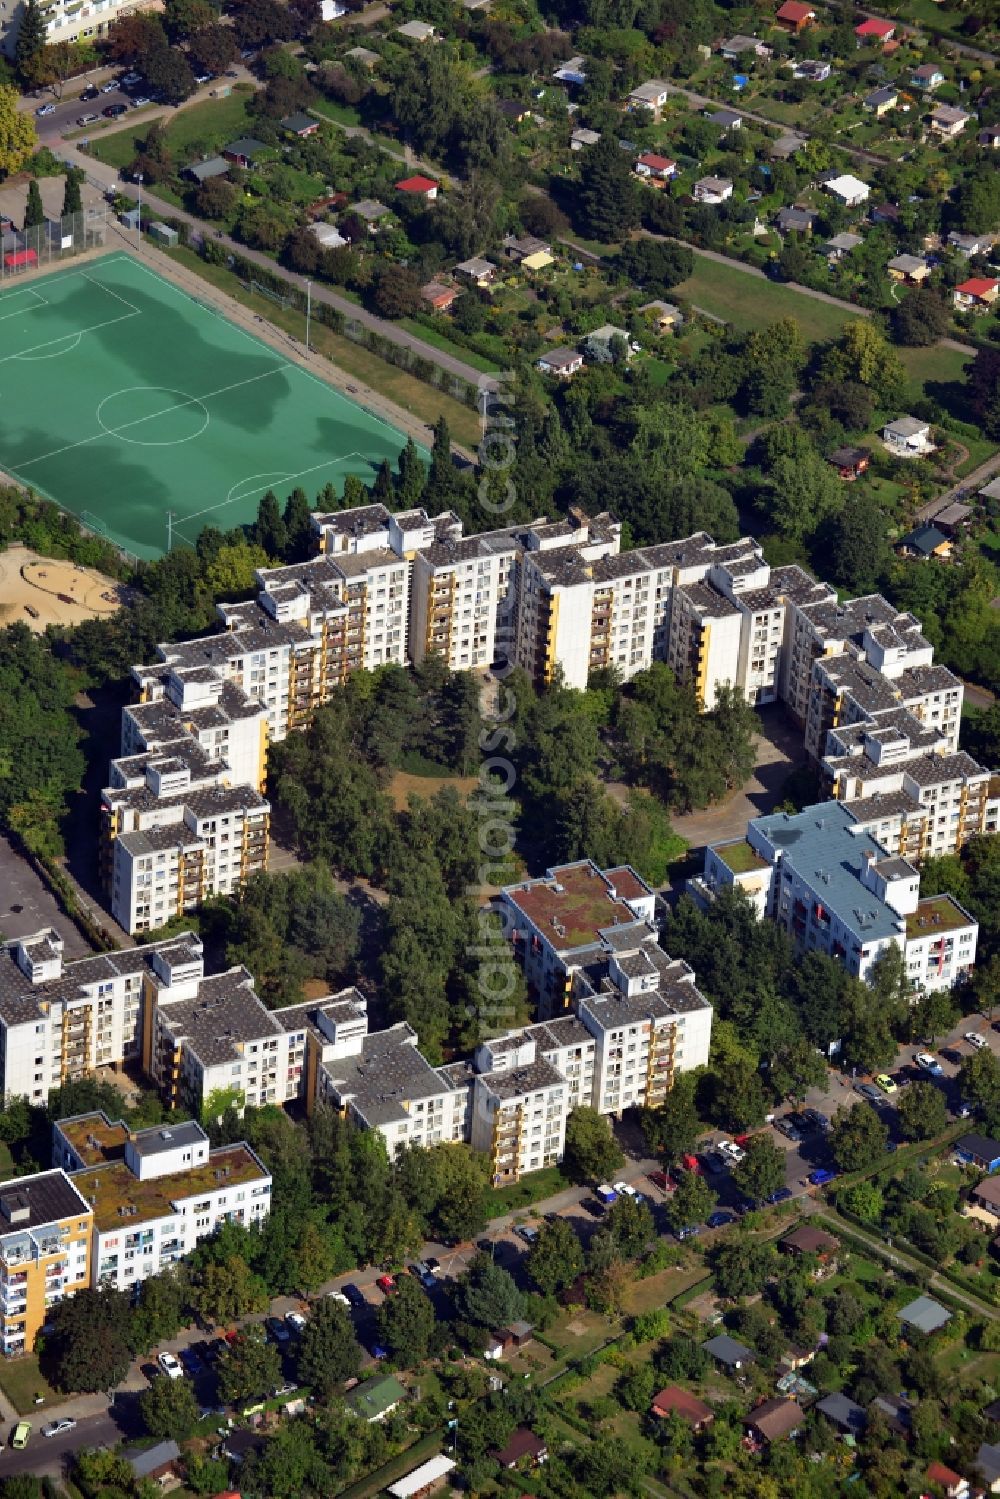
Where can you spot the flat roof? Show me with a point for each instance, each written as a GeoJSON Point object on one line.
{"type": "Point", "coordinates": [937, 913]}
{"type": "Point", "coordinates": [575, 902]}
{"type": "Point", "coordinates": [120, 1199]}
{"type": "Point", "coordinates": [738, 856]}
{"type": "Point", "coordinates": [94, 1137]}
{"type": "Point", "coordinates": [429, 1472]}
{"type": "Point", "coordinates": [47, 1197]}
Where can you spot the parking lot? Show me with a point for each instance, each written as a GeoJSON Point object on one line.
{"type": "Point", "coordinates": [26, 904]}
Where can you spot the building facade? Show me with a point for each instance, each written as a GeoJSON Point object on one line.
{"type": "Point", "coordinates": [821, 876]}
{"type": "Point", "coordinates": [69, 20]}
{"type": "Point", "coordinates": [45, 1253]}
{"type": "Point", "coordinates": [153, 1194]}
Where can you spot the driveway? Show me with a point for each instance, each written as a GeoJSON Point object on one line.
{"type": "Point", "coordinates": [27, 905]}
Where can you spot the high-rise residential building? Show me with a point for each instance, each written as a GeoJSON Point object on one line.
{"type": "Point", "coordinates": [45, 1247]}
{"type": "Point", "coordinates": [155, 1193]}
{"type": "Point", "coordinates": [821, 876]}
{"type": "Point", "coordinates": [69, 20]}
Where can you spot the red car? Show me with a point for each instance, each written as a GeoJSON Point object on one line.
{"type": "Point", "coordinates": [386, 1284]}
{"type": "Point", "coordinates": [692, 1163]}
{"type": "Point", "coordinates": [660, 1179]}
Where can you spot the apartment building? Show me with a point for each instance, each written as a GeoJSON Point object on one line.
{"type": "Point", "coordinates": [215, 1036]}
{"type": "Point", "coordinates": [519, 1114]}
{"type": "Point", "coordinates": [822, 877]}
{"type": "Point", "coordinates": [69, 20]}
{"type": "Point", "coordinates": [901, 782]}
{"type": "Point", "coordinates": [60, 1021]}
{"type": "Point", "coordinates": [560, 922]}
{"type": "Point", "coordinates": [45, 1245]}
{"type": "Point", "coordinates": [155, 1193]}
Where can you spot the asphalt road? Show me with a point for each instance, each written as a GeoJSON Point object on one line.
{"type": "Point", "coordinates": [68, 111]}
{"type": "Point", "coordinates": [48, 1454]}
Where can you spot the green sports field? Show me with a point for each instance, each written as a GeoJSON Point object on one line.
{"type": "Point", "coordinates": [123, 399]}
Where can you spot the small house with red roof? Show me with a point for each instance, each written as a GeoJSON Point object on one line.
{"type": "Point", "coordinates": [953, 1484]}
{"type": "Point", "coordinates": [439, 296]}
{"type": "Point", "coordinates": [421, 187]}
{"type": "Point", "coordinates": [655, 169]}
{"type": "Point", "coordinates": [874, 30]}
{"type": "Point", "coordinates": [978, 294]}
{"type": "Point", "coordinates": [794, 16]}
{"type": "Point", "coordinates": [673, 1401]}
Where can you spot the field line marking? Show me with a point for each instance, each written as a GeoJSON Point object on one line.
{"type": "Point", "coordinates": [25, 291]}
{"type": "Point", "coordinates": [151, 415]}
{"type": "Point", "coordinates": [101, 287]}
{"type": "Point", "coordinates": [74, 332]}
{"type": "Point", "coordinates": [267, 474]}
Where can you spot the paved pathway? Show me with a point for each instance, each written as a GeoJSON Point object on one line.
{"type": "Point", "coordinates": [108, 178]}
{"type": "Point", "coordinates": [969, 485]}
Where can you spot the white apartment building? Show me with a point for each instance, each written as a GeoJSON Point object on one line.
{"type": "Point", "coordinates": [45, 1242]}
{"type": "Point", "coordinates": [69, 20]}
{"type": "Point", "coordinates": [519, 1113]}
{"type": "Point", "coordinates": [214, 1035]}
{"type": "Point", "coordinates": [155, 1193]}
{"type": "Point", "coordinates": [60, 1021]}
{"type": "Point", "coordinates": [834, 889]}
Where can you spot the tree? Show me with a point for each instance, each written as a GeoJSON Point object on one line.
{"type": "Point", "coordinates": [977, 200]}
{"type": "Point", "coordinates": [921, 318]}
{"type": "Point", "coordinates": [933, 1014]}
{"type": "Point", "coordinates": [691, 1203]}
{"type": "Point", "coordinates": [169, 74]}
{"type": "Point", "coordinates": [32, 35]}
{"type": "Point", "coordinates": [865, 1200]}
{"type": "Point", "coordinates": [269, 532]}
{"type": "Point", "coordinates": [607, 197]}
{"type": "Point", "coordinates": [762, 1169]}
{"type": "Point", "coordinates": [592, 1153]}
{"type": "Point", "coordinates": [298, 526]}
{"type": "Point", "coordinates": [85, 1348]}
{"type": "Point", "coordinates": [672, 1129]}
{"type": "Point", "coordinates": [18, 139]}
{"type": "Point", "coordinates": [979, 1085]}
{"type": "Point", "coordinates": [863, 354]}
{"type": "Point", "coordinates": [655, 264]}
{"type": "Point", "coordinates": [857, 1137]}
{"type": "Point", "coordinates": [406, 1322]}
{"type": "Point", "coordinates": [488, 1296]}
{"type": "Point", "coordinates": [249, 1368]}
{"type": "Point", "coordinates": [855, 543]}
{"type": "Point", "coordinates": [72, 201]}
{"type": "Point", "coordinates": [630, 1225]}
{"type": "Point", "coordinates": [34, 213]}
{"type": "Point", "coordinates": [922, 1112]}
{"type": "Point", "coordinates": [556, 1257]}
{"type": "Point", "coordinates": [213, 48]}
{"type": "Point", "coordinates": [169, 1408]}
{"type": "Point", "coordinates": [227, 1291]}
{"type": "Point", "coordinates": [741, 1266]}
{"type": "Point", "coordinates": [21, 1486]}
{"type": "Point", "coordinates": [329, 1353]}
{"type": "Point", "coordinates": [215, 198]}
{"type": "Point", "coordinates": [636, 1388]}
{"type": "Point", "coordinates": [396, 292]}
{"type": "Point", "coordinates": [234, 569]}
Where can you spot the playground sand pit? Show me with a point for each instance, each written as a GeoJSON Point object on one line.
{"type": "Point", "coordinates": [43, 591]}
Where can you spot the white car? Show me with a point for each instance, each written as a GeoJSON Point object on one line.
{"type": "Point", "coordinates": [45, 109]}
{"type": "Point", "coordinates": [339, 1297]}
{"type": "Point", "coordinates": [58, 1428]}
{"type": "Point", "coordinates": [927, 1063]}
{"type": "Point", "coordinates": [624, 1189]}
{"type": "Point", "coordinates": [295, 1320]}
{"type": "Point", "coordinates": [976, 1040]}
{"type": "Point", "coordinates": [170, 1365]}
{"type": "Point", "coordinates": [731, 1151]}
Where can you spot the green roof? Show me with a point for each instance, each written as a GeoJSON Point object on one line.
{"type": "Point", "coordinates": [739, 856]}
{"type": "Point", "coordinates": [376, 1396]}
{"type": "Point", "coordinates": [936, 913]}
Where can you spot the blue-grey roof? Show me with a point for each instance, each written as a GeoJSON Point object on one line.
{"type": "Point", "coordinates": [819, 845]}
{"type": "Point", "coordinates": [146, 1462]}
{"type": "Point", "coordinates": [727, 1350]}
{"type": "Point", "coordinates": [844, 1412]}
{"type": "Point", "coordinates": [925, 1314]}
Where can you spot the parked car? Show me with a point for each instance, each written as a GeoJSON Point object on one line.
{"type": "Point", "coordinates": [660, 1179]}
{"type": "Point", "coordinates": [110, 88]}
{"type": "Point", "coordinates": [283, 1389]}
{"type": "Point", "coordinates": [386, 1284]}
{"type": "Point", "coordinates": [691, 1163]}
{"type": "Point", "coordinates": [730, 1151]}
{"type": "Point", "coordinates": [354, 1294]}
{"type": "Point", "coordinates": [338, 1297]}
{"type": "Point", "coordinates": [928, 1063]}
{"type": "Point", "coordinates": [815, 1119]}
{"type": "Point", "coordinates": [783, 1194]}
{"type": "Point", "coordinates": [114, 111]}
{"type": "Point", "coordinates": [90, 93]}
{"type": "Point", "coordinates": [873, 1094]}
{"type": "Point", "coordinates": [689, 1232]}
{"type": "Point", "coordinates": [605, 1195]}
{"type": "Point", "coordinates": [821, 1177]}
{"type": "Point", "coordinates": [624, 1189]}
{"type": "Point", "coordinates": [190, 1360]}
{"type": "Point", "coordinates": [719, 1220]}
{"type": "Point", "coordinates": [20, 1435]}
{"type": "Point", "coordinates": [129, 79]}
{"type": "Point", "coordinates": [58, 1428]}
{"type": "Point", "coordinates": [276, 1330]}
{"type": "Point", "coordinates": [527, 1233]}
{"type": "Point", "coordinates": [715, 1162]}
{"type": "Point", "coordinates": [170, 1365]}
{"type": "Point", "coordinates": [433, 1265]}
{"type": "Point", "coordinates": [296, 1321]}
{"type": "Point", "coordinates": [140, 101]}
{"type": "Point", "coordinates": [45, 109]}
{"type": "Point", "coordinates": [886, 1083]}
{"type": "Point", "coordinates": [786, 1126]}
{"type": "Point", "coordinates": [419, 1269]}
{"type": "Point", "coordinates": [87, 119]}
{"type": "Point", "coordinates": [975, 1039]}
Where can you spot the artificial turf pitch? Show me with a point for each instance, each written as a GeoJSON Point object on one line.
{"type": "Point", "coordinates": [123, 398]}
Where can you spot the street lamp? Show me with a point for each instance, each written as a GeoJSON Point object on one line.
{"type": "Point", "coordinates": [308, 311]}
{"type": "Point", "coordinates": [138, 178]}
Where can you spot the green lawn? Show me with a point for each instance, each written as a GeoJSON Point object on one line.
{"type": "Point", "coordinates": [935, 364]}
{"type": "Point", "coordinates": [203, 127]}
{"type": "Point", "coordinates": [748, 302]}
{"type": "Point", "coordinates": [442, 341]}
{"type": "Point", "coordinates": [21, 1382]}
{"type": "Point", "coordinates": [533, 1188]}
